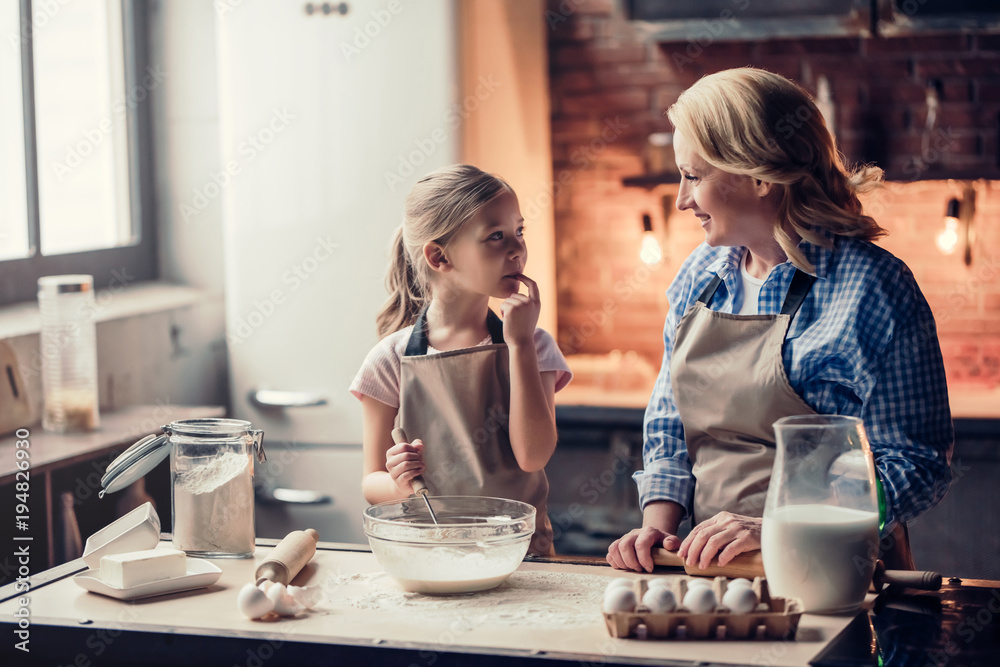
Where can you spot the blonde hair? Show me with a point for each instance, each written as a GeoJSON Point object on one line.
{"type": "Point", "coordinates": [437, 208]}
{"type": "Point", "coordinates": [752, 122]}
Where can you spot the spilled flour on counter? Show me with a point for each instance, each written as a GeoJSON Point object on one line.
{"type": "Point", "coordinates": [534, 598]}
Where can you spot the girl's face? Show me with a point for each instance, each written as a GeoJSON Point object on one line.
{"type": "Point", "coordinates": [489, 252]}
{"type": "Point", "coordinates": [732, 208]}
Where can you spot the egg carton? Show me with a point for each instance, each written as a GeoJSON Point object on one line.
{"type": "Point", "coordinates": [778, 616]}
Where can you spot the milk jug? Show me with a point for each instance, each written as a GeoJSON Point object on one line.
{"type": "Point", "coordinates": [820, 531]}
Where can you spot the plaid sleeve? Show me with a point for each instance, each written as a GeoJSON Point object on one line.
{"type": "Point", "coordinates": [666, 473]}
{"type": "Point", "coordinates": [907, 416]}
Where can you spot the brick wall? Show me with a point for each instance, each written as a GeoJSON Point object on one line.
{"type": "Point", "coordinates": [610, 87]}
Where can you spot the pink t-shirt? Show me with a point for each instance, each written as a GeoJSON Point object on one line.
{"type": "Point", "coordinates": [378, 376]}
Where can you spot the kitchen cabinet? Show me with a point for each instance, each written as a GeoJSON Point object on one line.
{"type": "Point", "coordinates": [699, 20]}
{"type": "Point", "coordinates": [704, 21]}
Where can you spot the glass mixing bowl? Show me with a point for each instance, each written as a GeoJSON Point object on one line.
{"type": "Point", "coordinates": [477, 543]}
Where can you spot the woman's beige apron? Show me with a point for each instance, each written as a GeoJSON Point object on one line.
{"type": "Point", "coordinates": [458, 403]}
{"type": "Point", "coordinates": [730, 387]}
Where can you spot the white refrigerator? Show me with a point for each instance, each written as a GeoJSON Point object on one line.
{"type": "Point", "coordinates": [327, 119]}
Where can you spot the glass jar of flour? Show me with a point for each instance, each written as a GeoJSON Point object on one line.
{"type": "Point", "coordinates": [211, 471]}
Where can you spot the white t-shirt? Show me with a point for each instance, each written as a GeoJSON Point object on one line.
{"type": "Point", "coordinates": [751, 288]}
{"type": "Point", "coordinates": [378, 376]}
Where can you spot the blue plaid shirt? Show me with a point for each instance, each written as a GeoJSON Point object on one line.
{"type": "Point", "coordinates": [863, 344]}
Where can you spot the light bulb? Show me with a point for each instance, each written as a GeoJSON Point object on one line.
{"type": "Point", "coordinates": [649, 251]}
{"type": "Point", "coordinates": [948, 238]}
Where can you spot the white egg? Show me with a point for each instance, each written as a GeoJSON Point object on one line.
{"type": "Point", "coordinates": [658, 582]}
{"type": "Point", "coordinates": [253, 602]}
{"type": "Point", "coordinates": [698, 582]}
{"type": "Point", "coordinates": [740, 582]}
{"type": "Point", "coordinates": [307, 596]}
{"type": "Point", "coordinates": [740, 600]}
{"type": "Point", "coordinates": [700, 600]}
{"type": "Point", "coordinates": [659, 599]}
{"type": "Point", "coordinates": [284, 604]}
{"type": "Point", "coordinates": [618, 598]}
{"type": "Point", "coordinates": [620, 582]}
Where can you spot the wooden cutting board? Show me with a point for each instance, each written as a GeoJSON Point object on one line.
{"type": "Point", "coordinates": [15, 412]}
{"type": "Point", "coordinates": [748, 565]}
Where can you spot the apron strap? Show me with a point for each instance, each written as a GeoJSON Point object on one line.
{"type": "Point", "coordinates": [801, 284]}
{"type": "Point", "coordinates": [709, 291]}
{"type": "Point", "coordinates": [416, 346]}
{"type": "Point", "coordinates": [495, 325]}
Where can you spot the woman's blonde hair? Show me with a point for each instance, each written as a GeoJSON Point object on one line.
{"type": "Point", "coordinates": [752, 122]}
{"type": "Point", "coordinates": [436, 209]}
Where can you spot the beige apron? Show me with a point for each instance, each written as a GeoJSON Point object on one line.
{"type": "Point", "coordinates": [730, 387]}
{"type": "Point", "coordinates": [458, 403]}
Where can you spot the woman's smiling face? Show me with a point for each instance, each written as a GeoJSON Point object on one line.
{"type": "Point", "coordinates": [732, 208]}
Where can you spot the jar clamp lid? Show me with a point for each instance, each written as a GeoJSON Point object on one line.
{"type": "Point", "coordinates": [65, 283]}
{"type": "Point", "coordinates": [146, 454]}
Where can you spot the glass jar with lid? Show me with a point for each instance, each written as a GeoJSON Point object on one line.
{"type": "Point", "coordinates": [211, 472]}
{"type": "Point", "coordinates": [68, 348]}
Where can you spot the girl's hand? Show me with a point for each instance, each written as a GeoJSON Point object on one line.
{"type": "Point", "coordinates": [724, 534]}
{"type": "Point", "coordinates": [404, 462]}
{"type": "Point", "coordinates": [520, 314]}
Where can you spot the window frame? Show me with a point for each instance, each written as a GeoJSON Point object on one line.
{"type": "Point", "coordinates": [109, 266]}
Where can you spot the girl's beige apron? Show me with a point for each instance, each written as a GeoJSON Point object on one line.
{"type": "Point", "coordinates": [458, 403]}
{"type": "Point", "coordinates": [730, 386]}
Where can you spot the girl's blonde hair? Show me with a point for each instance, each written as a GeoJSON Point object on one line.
{"type": "Point", "coordinates": [752, 122]}
{"type": "Point", "coordinates": [436, 209]}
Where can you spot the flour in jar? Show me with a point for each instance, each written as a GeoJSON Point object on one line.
{"type": "Point", "coordinates": [213, 506]}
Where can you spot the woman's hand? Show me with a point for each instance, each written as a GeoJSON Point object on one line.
{"type": "Point", "coordinates": [520, 314]}
{"type": "Point", "coordinates": [724, 534]}
{"type": "Point", "coordinates": [404, 462]}
{"type": "Point", "coordinates": [634, 550]}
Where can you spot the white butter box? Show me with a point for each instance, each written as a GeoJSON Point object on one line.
{"type": "Point", "coordinates": [135, 568]}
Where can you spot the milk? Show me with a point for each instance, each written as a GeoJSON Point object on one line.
{"type": "Point", "coordinates": [821, 554]}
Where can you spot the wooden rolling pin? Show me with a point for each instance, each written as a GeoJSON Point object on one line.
{"type": "Point", "coordinates": [288, 558]}
{"type": "Point", "coordinates": [750, 565]}
{"type": "Point", "coordinates": [747, 565]}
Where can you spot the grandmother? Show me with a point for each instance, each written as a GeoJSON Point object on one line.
{"type": "Point", "coordinates": [787, 308]}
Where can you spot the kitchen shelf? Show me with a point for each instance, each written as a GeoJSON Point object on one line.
{"type": "Point", "coordinates": [901, 176]}
{"type": "Point", "coordinates": [650, 181]}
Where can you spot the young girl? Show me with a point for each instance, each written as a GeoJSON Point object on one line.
{"type": "Point", "coordinates": [474, 394]}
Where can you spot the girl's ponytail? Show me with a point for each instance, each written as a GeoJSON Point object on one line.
{"type": "Point", "coordinates": [406, 296]}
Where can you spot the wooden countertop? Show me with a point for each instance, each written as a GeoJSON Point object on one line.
{"type": "Point", "coordinates": [966, 403]}
{"type": "Point", "coordinates": [546, 608]}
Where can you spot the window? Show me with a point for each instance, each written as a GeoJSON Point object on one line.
{"type": "Point", "coordinates": [74, 123]}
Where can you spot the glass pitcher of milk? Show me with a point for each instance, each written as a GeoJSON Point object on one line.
{"type": "Point", "coordinates": [819, 538]}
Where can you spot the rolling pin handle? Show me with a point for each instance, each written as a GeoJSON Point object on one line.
{"type": "Point", "coordinates": [919, 579]}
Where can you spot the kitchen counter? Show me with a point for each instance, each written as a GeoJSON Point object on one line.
{"type": "Point", "coordinates": [548, 610]}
